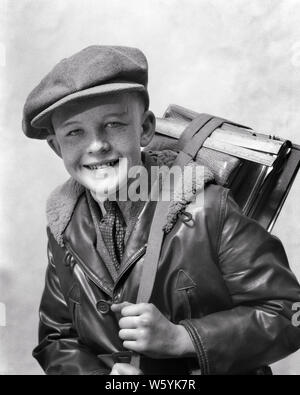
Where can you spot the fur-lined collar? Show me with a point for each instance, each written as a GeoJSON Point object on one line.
{"type": "Point", "coordinates": [62, 201]}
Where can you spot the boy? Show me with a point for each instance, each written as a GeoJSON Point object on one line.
{"type": "Point", "coordinates": [223, 294]}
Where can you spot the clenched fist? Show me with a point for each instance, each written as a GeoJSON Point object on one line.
{"type": "Point", "coordinates": [145, 330]}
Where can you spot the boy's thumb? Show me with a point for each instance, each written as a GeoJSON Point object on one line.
{"type": "Point", "coordinates": [117, 307]}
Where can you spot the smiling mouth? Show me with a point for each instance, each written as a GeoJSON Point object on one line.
{"type": "Point", "coordinates": [97, 166]}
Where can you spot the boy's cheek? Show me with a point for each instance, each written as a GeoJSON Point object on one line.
{"type": "Point", "coordinates": [72, 167]}
{"type": "Point", "coordinates": [70, 157]}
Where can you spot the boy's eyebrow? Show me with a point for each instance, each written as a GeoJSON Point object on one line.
{"type": "Point", "coordinates": [68, 123]}
{"type": "Point", "coordinates": [115, 114]}
{"type": "Point", "coordinates": [112, 114]}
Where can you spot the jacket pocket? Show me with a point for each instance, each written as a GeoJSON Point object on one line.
{"type": "Point", "coordinates": [184, 288]}
{"type": "Point", "coordinates": [76, 318]}
{"type": "Point", "coordinates": [74, 304]}
{"type": "Point", "coordinates": [184, 294]}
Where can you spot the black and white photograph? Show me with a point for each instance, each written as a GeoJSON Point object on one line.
{"type": "Point", "coordinates": [149, 186]}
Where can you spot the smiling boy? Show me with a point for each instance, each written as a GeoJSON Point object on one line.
{"type": "Point", "coordinates": [123, 125]}
{"type": "Point", "coordinates": [223, 285]}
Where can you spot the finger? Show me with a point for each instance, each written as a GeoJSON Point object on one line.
{"type": "Point", "coordinates": [128, 334]}
{"type": "Point", "coordinates": [129, 322]}
{"type": "Point", "coordinates": [117, 307]}
{"type": "Point", "coordinates": [132, 345]}
{"type": "Point", "coordinates": [135, 309]}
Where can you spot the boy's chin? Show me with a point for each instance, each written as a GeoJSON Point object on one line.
{"type": "Point", "coordinates": [104, 189]}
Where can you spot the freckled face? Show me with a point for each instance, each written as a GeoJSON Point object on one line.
{"type": "Point", "coordinates": [94, 135]}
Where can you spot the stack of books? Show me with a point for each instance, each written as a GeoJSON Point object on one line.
{"type": "Point", "coordinates": [247, 162]}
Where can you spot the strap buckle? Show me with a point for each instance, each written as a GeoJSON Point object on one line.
{"type": "Point", "coordinates": [122, 356]}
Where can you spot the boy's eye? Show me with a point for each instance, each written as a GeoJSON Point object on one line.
{"type": "Point", "coordinates": [74, 132]}
{"type": "Point", "coordinates": [114, 124]}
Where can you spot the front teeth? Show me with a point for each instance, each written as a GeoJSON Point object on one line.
{"type": "Point", "coordinates": [96, 167]}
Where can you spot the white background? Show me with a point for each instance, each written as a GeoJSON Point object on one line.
{"type": "Point", "coordinates": [238, 59]}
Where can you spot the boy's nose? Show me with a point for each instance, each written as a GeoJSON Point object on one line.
{"type": "Point", "coordinates": [98, 146]}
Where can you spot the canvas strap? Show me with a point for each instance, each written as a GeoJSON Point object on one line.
{"type": "Point", "coordinates": [189, 143]}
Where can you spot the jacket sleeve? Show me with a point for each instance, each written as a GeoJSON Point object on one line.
{"type": "Point", "coordinates": [59, 351]}
{"type": "Point", "coordinates": [258, 330]}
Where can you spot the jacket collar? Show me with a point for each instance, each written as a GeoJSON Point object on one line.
{"type": "Point", "coordinates": [63, 200]}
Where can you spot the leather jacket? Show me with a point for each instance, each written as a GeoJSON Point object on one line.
{"type": "Point", "coordinates": [221, 275]}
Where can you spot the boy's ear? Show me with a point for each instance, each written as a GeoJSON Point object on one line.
{"type": "Point", "coordinates": [53, 143]}
{"type": "Point", "coordinates": [148, 125]}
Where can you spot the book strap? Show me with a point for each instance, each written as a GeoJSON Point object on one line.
{"type": "Point", "coordinates": [193, 142]}
{"type": "Point", "coordinates": [193, 127]}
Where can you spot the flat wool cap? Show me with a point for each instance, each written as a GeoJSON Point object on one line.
{"type": "Point", "coordinates": [96, 70]}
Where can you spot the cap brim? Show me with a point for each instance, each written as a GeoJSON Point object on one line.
{"type": "Point", "coordinates": [42, 119]}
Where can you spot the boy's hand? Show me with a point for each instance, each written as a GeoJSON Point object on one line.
{"type": "Point", "coordinates": [145, 330]}
{"type": "Point", "coordinates": [125, 369]}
